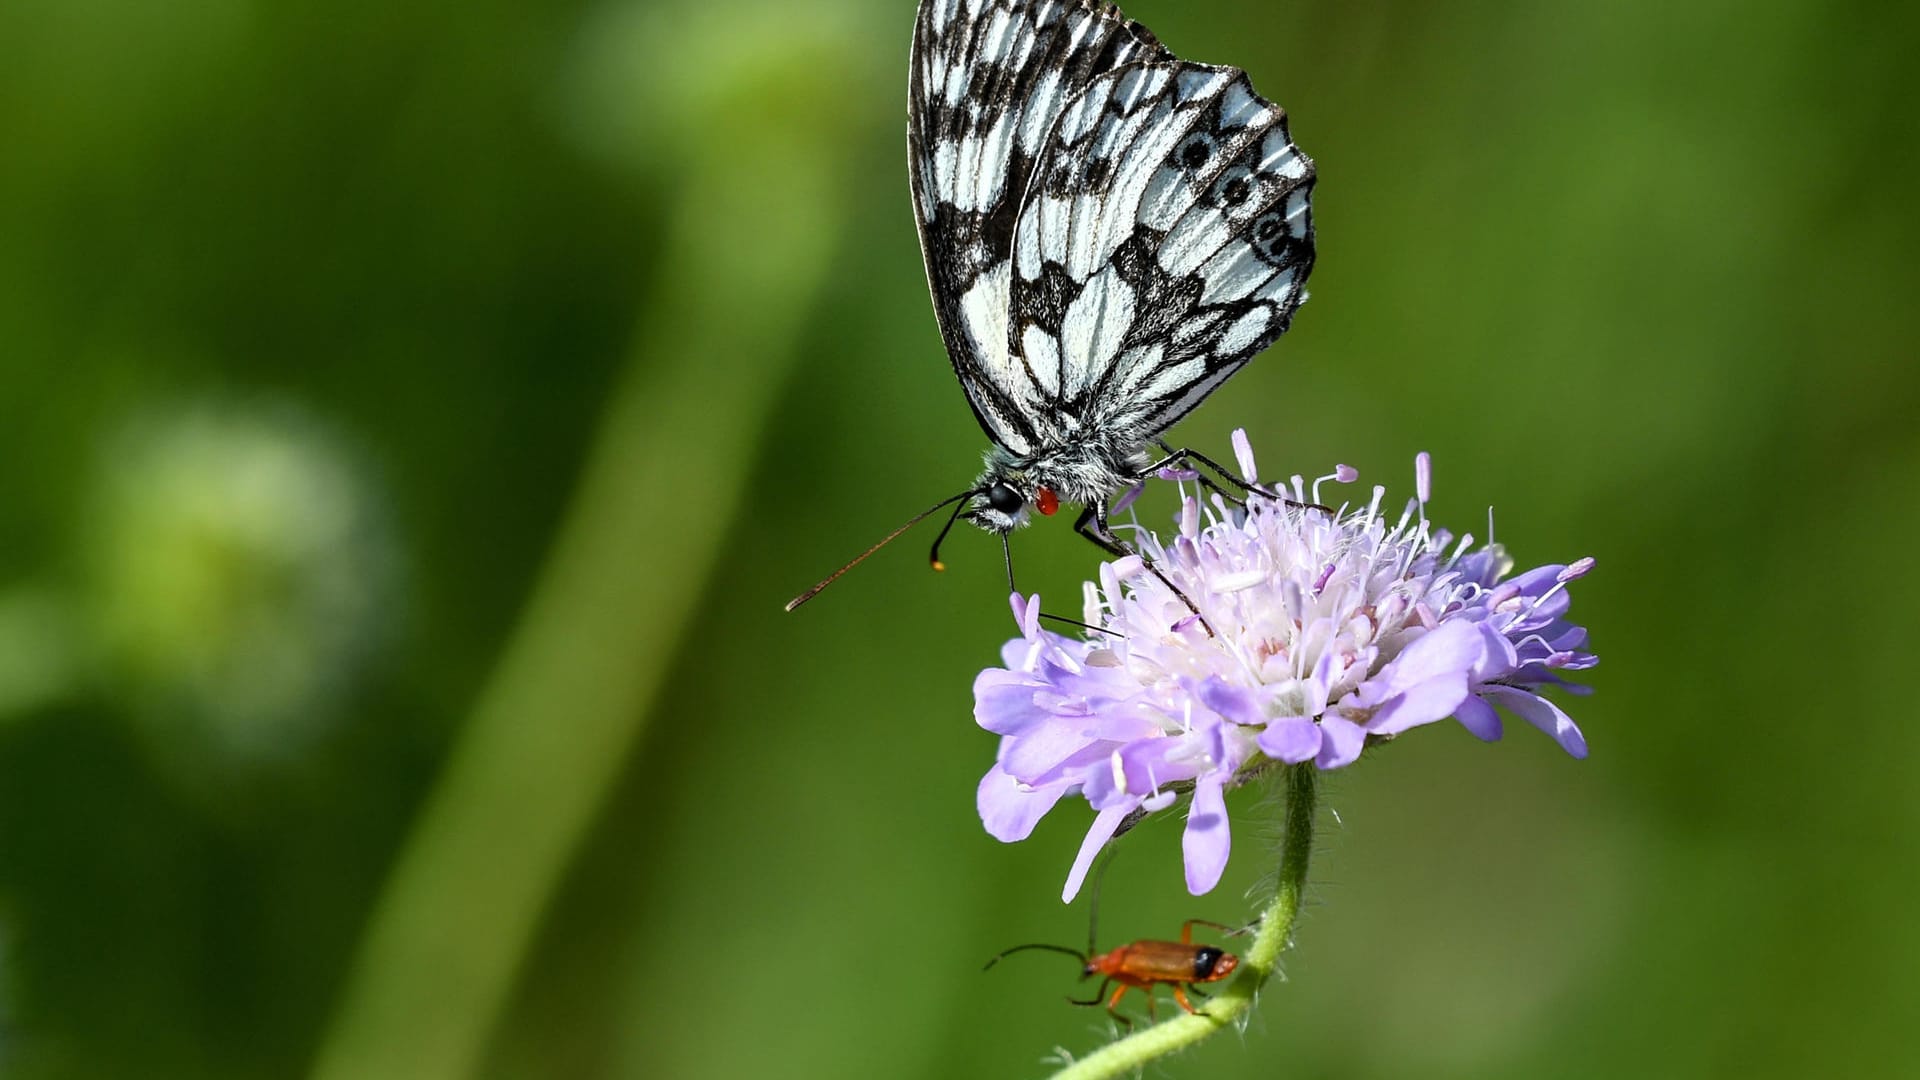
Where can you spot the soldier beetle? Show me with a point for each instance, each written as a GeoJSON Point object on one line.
{"type": "Point", "coordinates": [1142, 965]}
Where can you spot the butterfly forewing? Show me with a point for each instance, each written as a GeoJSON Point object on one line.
{"type": "Point", "coordinates": [989, 80]}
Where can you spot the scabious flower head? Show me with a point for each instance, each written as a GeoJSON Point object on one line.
{"type": "Point", "coordinates": [1317, 633]}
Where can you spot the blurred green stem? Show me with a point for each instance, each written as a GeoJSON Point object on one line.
{"type": "Point", "coordinates": [1132, 1053]}
{"type": "Point", "coordinates": [557, 720]}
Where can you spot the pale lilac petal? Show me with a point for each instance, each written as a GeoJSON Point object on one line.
{"type": "Point", "coordinates": [1323, 677]}
{"type": "Point", "coordinates": [1235, 703]}
{"type": "Point", "coordinates": [1427, 681]}
{"type": "Point", "coordinates": [1003, 702]}
{"type": "Point", "coordinates": [1038, 751]}
{"type": "Point", "coordinates": [1127, 498]}
{"type": "Point", "coordinates": [1143, 764]}
{"type": "Point", "coordinates": [1243, 455]}
{"type": "Point", "coordinates": [1454, 647]}
{"type": "Point", "coordinates": [1478, 717]}
{"type": "Point", "coordinates": [1297, 697]}
{"type": "Point", "coordinates": [1542, 714]}
{"type": "Point", "coordinates": [1009, 809]}
{"type": "Point", "coordinates": [1017, 654]}
{"type": "Point", "coordinates": [1104, 823]}
{"type": "Point", "coordinates": [1341, 742]}
{"type": "Point", "coordinates": [1292, 739]}
{"type": "Point", "coordinates": [1497, 658]}
{"type": "Point", "coordinates": [1423, 703]}
{"type": "Point", "coordinates": [1208, 840]}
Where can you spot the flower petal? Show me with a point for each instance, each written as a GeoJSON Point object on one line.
{"type": "Point", "coordinates": [1243, 455]}
{"type": "Point", "coordinates": [1003, 702]}
{"type": "Point", "coordinates": [1454, 646]}
{"type": "Point", "coordinates": [1499, 658]}
{"type": "Point", "coordinates": [1428, 680]}
{"type": "Point", "coordinates": [1424, 703]}
{"type": "Point", "coordinates": [1208, 840]}
{"type": "Point", "coordinates": [1104, 823]}
{"type": "Point", "coordinates": [1027, 614]}
{"type": "Point", "coordinates": [1235, 703]}
{"type": "Point", "coordinates": [1027, 756]}
{"type": "Point", "coordinates": [1478, 717]}
{"type": "Point", "coordinates": [1541, 713]}
{"type": "Point", "coordinates": [1010, 809]}
{"type": "Point", "coordinates": [1341, 742]}
{"type": "Point", "coordinates": [1292, 739]}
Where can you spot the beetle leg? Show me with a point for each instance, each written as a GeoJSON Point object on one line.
{"type": "Point", "coordinates": [1186, 929]}
{"type": "Point", "coordinates": [1098, 994]}
{"type": "Point", "coordinates": [1113, 1009]}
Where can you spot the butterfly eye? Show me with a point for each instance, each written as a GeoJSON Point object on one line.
{"type": "Point", "coordinates": [1005, 499]}
{"type": "Point", "coordinates": [1046, 501]}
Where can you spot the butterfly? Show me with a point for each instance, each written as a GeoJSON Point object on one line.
{"type": "Point", "coordinates": [1109, 233]}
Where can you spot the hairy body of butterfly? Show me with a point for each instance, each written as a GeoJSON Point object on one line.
{"type": "Point", "coordinates": [1109, 232]}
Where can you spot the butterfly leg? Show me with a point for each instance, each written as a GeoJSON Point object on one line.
{"type": "Point", "coordinates": [1092, 524]}
{"type": "Point", "coordinates": [1189, 456]}
{"type": "Point", "coordinates": [1177, 458]}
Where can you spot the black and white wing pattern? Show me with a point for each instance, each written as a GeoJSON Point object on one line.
{"type": "Point", "coordinates": [1109, 231]}
{"type": "Point", "coordinates": [990, 78]}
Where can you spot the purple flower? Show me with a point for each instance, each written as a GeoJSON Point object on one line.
{"type": "Point", "coordinates": [1317, 633]}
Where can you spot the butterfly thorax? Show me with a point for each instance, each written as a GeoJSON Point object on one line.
{"type": "Point", "coordinates": [1080, 472]}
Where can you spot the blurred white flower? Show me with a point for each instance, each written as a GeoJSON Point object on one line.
{"type": "Point", "coordinates": [239, 575]}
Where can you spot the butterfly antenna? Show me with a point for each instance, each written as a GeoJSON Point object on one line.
{"type": "Point", "coordinates": [884, 541]}
{"type": "Point", "coordinates": [933, 558]}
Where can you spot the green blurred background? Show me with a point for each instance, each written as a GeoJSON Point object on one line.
{"type": "Point", "coordinates": [415, 415]}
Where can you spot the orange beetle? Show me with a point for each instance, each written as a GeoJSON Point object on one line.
{"type": "Point", "coordinates": [1144, 964]}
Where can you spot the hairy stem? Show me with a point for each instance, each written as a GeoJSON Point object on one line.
{"type": "Point", "coordinates": [1128, 1055]}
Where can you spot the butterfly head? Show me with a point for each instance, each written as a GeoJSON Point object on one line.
{"type": "Point", "coordinates": [1001, 504]}
{"type": "Point", "coordinates": [1008, 491]}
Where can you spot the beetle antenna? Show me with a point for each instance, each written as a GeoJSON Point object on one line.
{"type": "Point", "coordinates": [1075, 953]}
{"type": "Point", "coordinates": [884, 541]}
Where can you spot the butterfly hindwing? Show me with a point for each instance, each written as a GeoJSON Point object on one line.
{"type": "Point", "coordinates": [1165, 238]}
{"type": "Point", "coordinates": [989, 81]}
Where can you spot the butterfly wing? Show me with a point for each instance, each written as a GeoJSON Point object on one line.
{"type": "Point", "coordinates": [1165, 238]}
{"type": "Point", "coordinates": [989, 80]}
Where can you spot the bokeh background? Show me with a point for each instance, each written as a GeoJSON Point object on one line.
{"type": "Point", "coordinates": [415, 415]}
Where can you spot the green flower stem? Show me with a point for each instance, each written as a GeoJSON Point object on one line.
{"type": "Point", "coordinates": [557, 721]}
{"type": "Point", "coordinates": [1128, 1055]}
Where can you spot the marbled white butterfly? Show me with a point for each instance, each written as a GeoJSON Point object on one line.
{"type": "Point", "coordinates": [1109, 232]}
